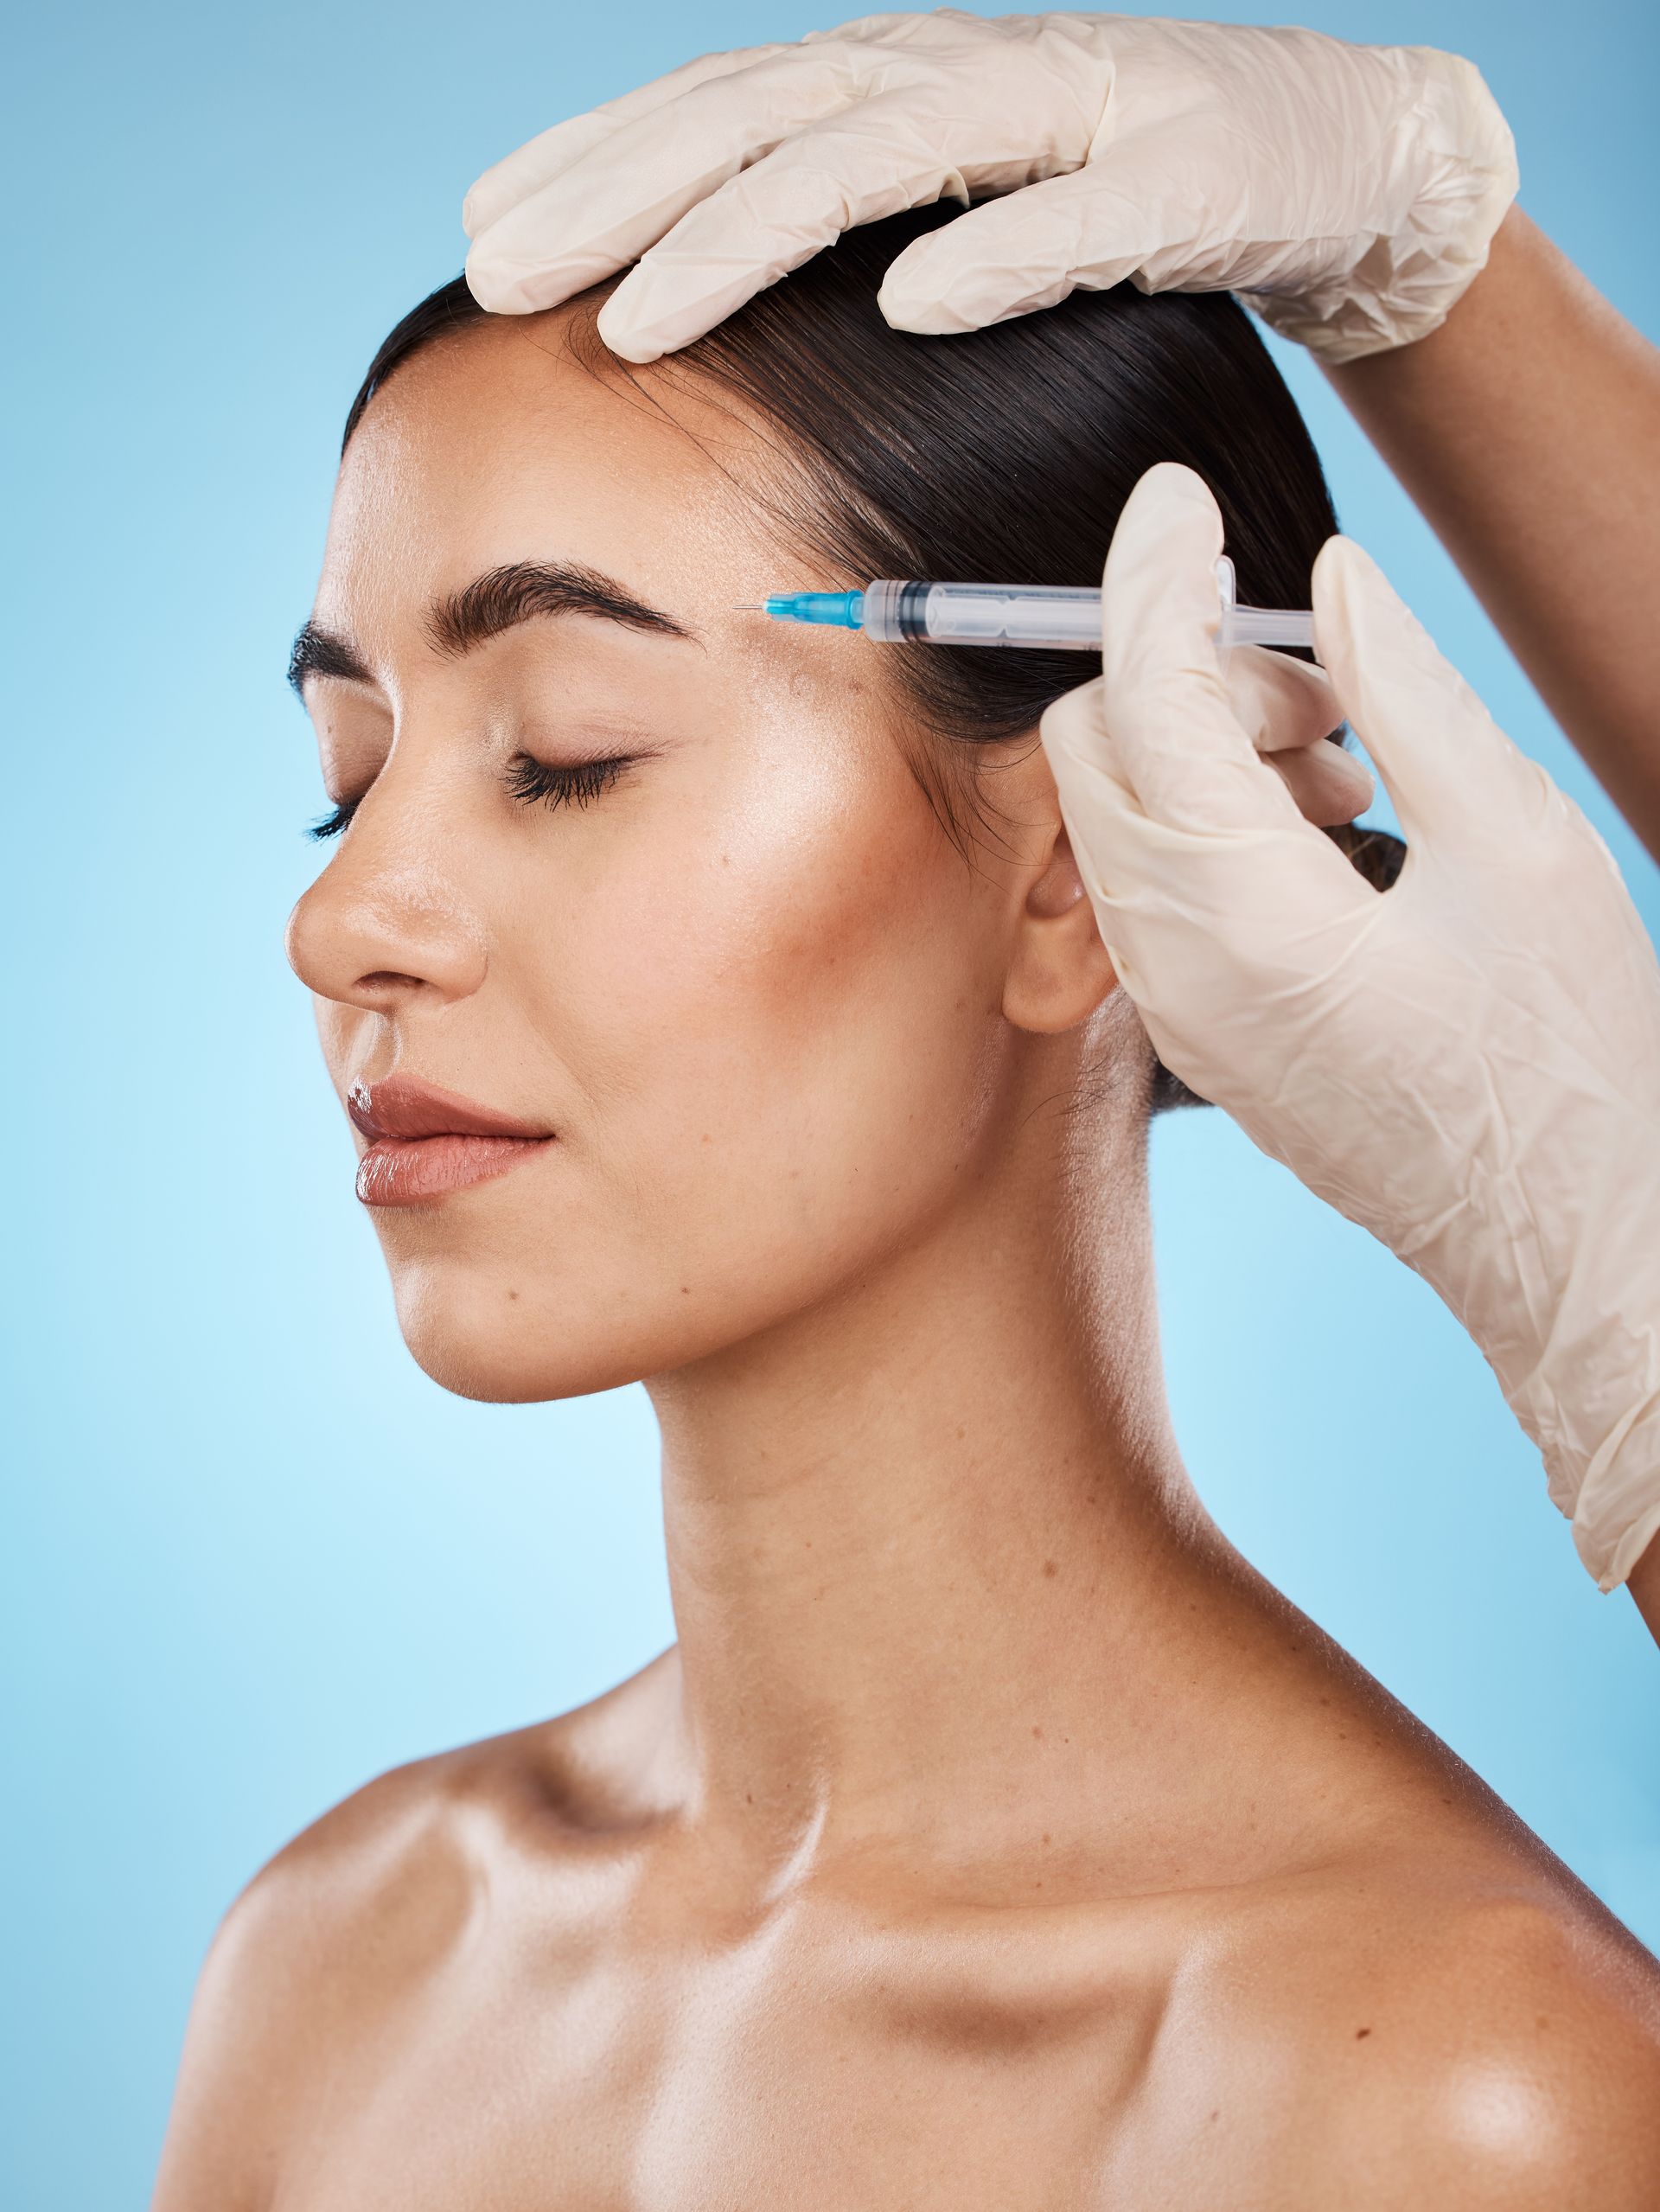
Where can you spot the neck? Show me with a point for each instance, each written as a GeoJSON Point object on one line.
{"type": "Point", "coordinates": [929, 1543]}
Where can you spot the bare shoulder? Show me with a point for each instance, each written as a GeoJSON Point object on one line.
{"type": "Point", "coordinates": [1458, 2040]}
{"type": "Point", "coordinates": [1514, 2060]}
{"type": "Point", "coordinates": [359, 1907]}
{"type": "Point", "coordinates": [337, 1934]}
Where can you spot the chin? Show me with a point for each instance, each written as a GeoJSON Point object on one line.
{"type": "Point", "coordinates": [479, 1339]}
{"type": "Point", "coordinates": [513, 1331]}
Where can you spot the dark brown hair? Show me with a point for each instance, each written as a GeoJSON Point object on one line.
{"type": "Point", "coordinates": [1003, 455]}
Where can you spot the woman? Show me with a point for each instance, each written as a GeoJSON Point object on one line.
{"type": "Point", "coordinates": [1520, 411]}
{"type": "Point", "coordinates": [722, 1006]}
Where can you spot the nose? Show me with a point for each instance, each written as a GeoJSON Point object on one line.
{"type": "Point", "coordinates": [384, 924]}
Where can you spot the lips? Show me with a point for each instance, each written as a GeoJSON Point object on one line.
{"type": "Point", "coordinates": [425, 1143]}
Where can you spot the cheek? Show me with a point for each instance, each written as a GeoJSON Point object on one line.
{"type": "Point", "coordinates": [778, 1015]}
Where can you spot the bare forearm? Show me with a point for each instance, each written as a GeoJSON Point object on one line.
{"type": "Point", "coordinates": [1527, 429]}
{"type": "Point", "coordinates": [1643, 1583]}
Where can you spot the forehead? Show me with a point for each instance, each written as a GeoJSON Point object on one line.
{"type": "Point", "coordinates": [496, 445]}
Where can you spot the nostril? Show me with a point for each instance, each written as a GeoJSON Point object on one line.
{"type": "Point", "coordinates": [388, 979]}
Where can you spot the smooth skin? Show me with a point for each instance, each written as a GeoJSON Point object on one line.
{"type": "Point", "coordinates": [1527, 429]}
{"type": "Point", "coordinates": [1127, 146]}
{"type": "Point", "coordinates": [992, 1837]}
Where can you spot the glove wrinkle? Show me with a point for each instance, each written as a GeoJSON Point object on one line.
{"type": "Point", "coordinates": [1349, 193]}
{"type": "Point", "coordinates": [1467, 1065]}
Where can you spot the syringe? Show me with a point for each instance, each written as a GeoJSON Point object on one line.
{"type": "Point", "coordinates": [894, 611]}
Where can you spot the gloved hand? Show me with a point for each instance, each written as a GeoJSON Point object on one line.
{"type": "Point", "coordinates": [1287, 709]}
{"type": "Point", "coordinates": [1349, 192]}
{"type": "Point", "coordinates": [1468, 1064]}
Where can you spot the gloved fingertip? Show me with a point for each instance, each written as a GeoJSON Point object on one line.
{"type": "Point", "coordinates": [1159, 583]}
{"type": "Point", "coordinates": [655, 311]}
{"type": "Point", "coordinates": [899, 295]}
{"type": "Point", "coordinates": [924, 295]}
{"type": "Point", "coordinates": [627, 324]}
{"type": "Point", "coordinates": [1339, 566]}
{"type": "Point", "coordinates": [921, 318]}
{"type": "Point", "coordinates": [1172, 510]}
{"type": "Point", "coordinates": [1173, 482]}
{"type": "Point", "coordinates": [620, 337]}
{"type": "Point", "coordinates": [1329, 785]}
{"type": "Point", "coordinates": [506, 287]}
{"type": "Point", "coordinates": [489, 198]}
{"type": "Point", "coordinates": [496, 295]}
{"type": "Point", "coordinates": [958, 279]}
{"type": "Point", "coordinates": [1346, 573]}
{"type": "Point", "coordinates": [1445, 764]}
{"type": "Point", "coordinates": [1364, 631]}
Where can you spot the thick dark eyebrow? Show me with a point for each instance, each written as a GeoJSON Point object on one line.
{"type": "Point", "coordinates": [525, 589]}
{"type": "Point", "coordinates": [319, 653]}
{"type": "Point", "coordinates": [497, 601]}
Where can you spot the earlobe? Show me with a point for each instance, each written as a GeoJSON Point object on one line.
{"type": "Point", "coordinates": [1060, 970]}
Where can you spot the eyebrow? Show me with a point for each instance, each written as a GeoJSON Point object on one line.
{"type": "Point", "coordinates": [317, 652]}
{"type": "Point", "coordinates": [498, 600]}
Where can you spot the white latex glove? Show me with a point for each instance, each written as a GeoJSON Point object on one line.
{"type": "Point", "coordinates": [1348, 192]}
{"type": "Point", "coordinates": [1468, 1064]}
{"type": "Point", "coordinates": [1287, 709]}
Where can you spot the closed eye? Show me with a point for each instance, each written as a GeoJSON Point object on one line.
{"type": "Point", "coordinates": [530, 782]}
{"type": "Point", "coordinates": [330, 825]}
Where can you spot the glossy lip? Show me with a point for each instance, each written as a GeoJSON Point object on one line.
{"type": "Point", "coordinates": [426, 1142]}
{"type": "Point", "coordinates": [404, 1106]}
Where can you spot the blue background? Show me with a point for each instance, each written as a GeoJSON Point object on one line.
{"type": "Point", "coordinates": [251, 1555]}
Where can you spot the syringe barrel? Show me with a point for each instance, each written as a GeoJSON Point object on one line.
{"type": "Point", "coordinates": [896, 611]}
{"type": "Point", "coordinates": [1266, 626]}
{"type": "Point", "coordinates": [980, 614]}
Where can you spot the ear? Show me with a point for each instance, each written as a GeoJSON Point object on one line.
{"type": "Point", "coordinates": [1059, 971]}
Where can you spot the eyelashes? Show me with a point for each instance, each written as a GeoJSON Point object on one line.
{"type": "Point", "coordinates": [530, 781]}
{"type": "Point", "coordinates": [331, 824]}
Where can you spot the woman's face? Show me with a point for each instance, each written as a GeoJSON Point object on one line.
{"type": "Point", "coordinates": [741, 990]}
